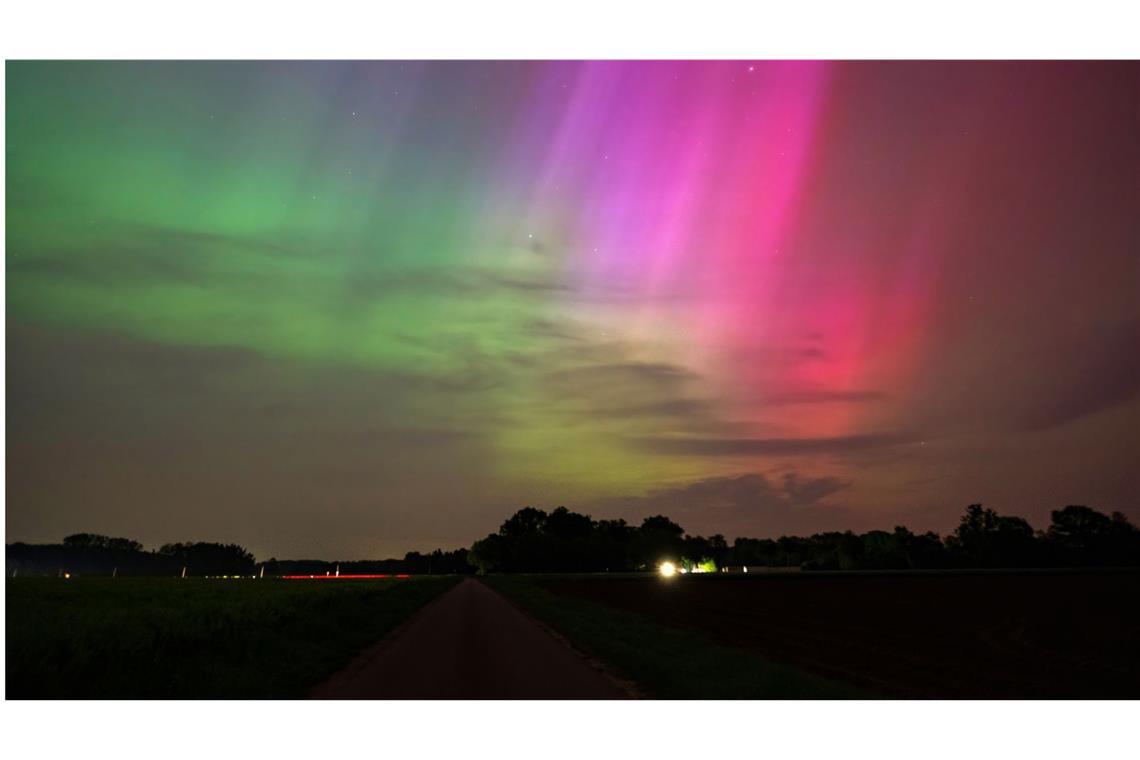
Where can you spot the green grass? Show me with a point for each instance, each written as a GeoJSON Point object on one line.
{"type": "Point", "coordinates": [666, 662]}
{"type": "Point", "coordinates": [139, 638]}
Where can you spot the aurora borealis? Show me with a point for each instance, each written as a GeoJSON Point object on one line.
{"type": "Point", "coordinates": [352, 309]}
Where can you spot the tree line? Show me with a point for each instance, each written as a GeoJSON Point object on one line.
{"type": "Point", "coordinates": [564, 541]}
{"type": "Point", "coordinates": [93, 554]}
{"type": "Point", "coordinates": [438, 562]}
{"type": "Point", "coordinates": [88, 554]}
{"type": "Point", "coordinates": [534, 541]}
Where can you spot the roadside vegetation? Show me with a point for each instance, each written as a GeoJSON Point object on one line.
{"type": "Point", "coordinates": [145, 638]}
{"type": "Point", "coordinates": [665, 662]}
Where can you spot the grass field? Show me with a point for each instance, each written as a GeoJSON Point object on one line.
{"type": "Point", "coordinates": [663, 661]}
{"type": "Point", "coordinates": [1030, 634]}
{"type": "Point", "coordinates": [171, 638]}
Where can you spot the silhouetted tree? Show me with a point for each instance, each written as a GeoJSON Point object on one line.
{"type": "Point", "coordinates": [96, 541]}
{"type": "Point", "coordinates": [925, 551]}
{"type": "Point", "coordinates": [1083, 536]}
{"type": "Point", "coordinates": [527, 521]}
{"type": "Point", "coordinates": [984, 538]}
{"type": "Point", "coordinates": [203, 558]}
{"type": "Point", "coordinates": [658, 538]}
{"type": "Point", "coordinates": [718, 549]}
{"type": "Point", "coordinates": [487, 555]}
{"type": "Point", "coordinates": [438, 562]}
{"type": "Point", "coordinates": [611, 543]}
{"type": "Point", "coordinates": [86, 554]}
{"type": "Point", "coordinates": [564, 524]}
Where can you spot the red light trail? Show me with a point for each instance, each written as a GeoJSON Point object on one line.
{"type": "Point", "coordinates": [341, 577]}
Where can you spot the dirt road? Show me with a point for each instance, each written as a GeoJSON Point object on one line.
{"type": "Point", "coordinates": [469, 643]}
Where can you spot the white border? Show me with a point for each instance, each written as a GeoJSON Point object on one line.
{"type": "Point", "coordinates": [585, 29]}
{"type": "Point", "coordinates": [571, 730]}
{"type": "Point", "coordinates": [582, 29]}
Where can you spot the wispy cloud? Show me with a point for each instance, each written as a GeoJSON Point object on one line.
{"type": "Point", "coordinates": [824, 397]}
{"type": "Point", "coordinates": [789, 503]}
{"type": "Point", "coordinates": [715, 447]}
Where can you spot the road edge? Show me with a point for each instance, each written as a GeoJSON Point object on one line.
{"type": "Point", "coordinates": [625, 685]}
{"type": "Point", "coordinates": [365, 656]}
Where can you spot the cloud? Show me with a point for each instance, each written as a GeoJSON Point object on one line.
{"type": "Point", "coordinates": [106, 266]}
{"type": "Point", "coordinates": [1105, 374]}
{"type": "Point", "coordinates": [803, 491]}
{"type": "Point", "coordinates": [367, 285]}
{"type": "Point", "coordinates": [549, 328]}
{"type": "Point", "coordinates": [597, 387]}
{"type": "Point", "coordinates": [621, 373]}
{"type": "Point", "coordinates": [823, 397]}
{"type": "Point", "coordinates": [1028, 383]}
{"type": "Point", "coordinates": [715, 447]}
{"type": "Point", "coordinates": [522, 284]}
{"type": "Point", "coordinates": [750, 491]}
{"type": "Point", "coordinates": [128, 254]}
{"type": "Point", "coordinates": [753, 501]}
{"type": "Point", "coordinates": [676, 407]}
{"type": "Point", "coordinates": [104, 382]}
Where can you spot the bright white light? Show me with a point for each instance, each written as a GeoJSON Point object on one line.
{"type": "Point", "coordinates": [667, 569]}
{"type": "Point", "coordinates": [746, 568]}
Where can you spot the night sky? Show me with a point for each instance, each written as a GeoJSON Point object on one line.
{"type": "Point", "coordinates": [353, 309]}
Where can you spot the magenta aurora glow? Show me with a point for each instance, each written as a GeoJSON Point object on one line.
{"type": "Point", "coordinates": [352, 309]}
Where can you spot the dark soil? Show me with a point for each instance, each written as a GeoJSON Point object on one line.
{"type": "Point", "coordinates": [943, 635]}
